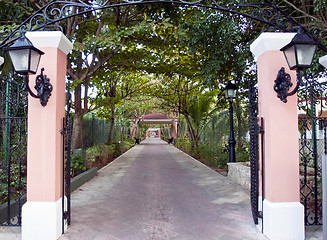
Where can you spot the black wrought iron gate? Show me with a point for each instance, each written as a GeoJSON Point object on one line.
{"type": "Point", "coordinates": [254, 151]}
{"type": "Point", "coordinates": [313, 145]}
{"type": "Point", "coordinates": [13, 148]}
{"type": "Point", "coordinates": [13, 152]}
{"type": "Point", "coordinates": [66, 134]}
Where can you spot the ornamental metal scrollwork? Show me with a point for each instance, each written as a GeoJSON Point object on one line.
{"type": "Point", "coordinates": [43, 88]}
{"type": "Point", "coordinates": [282, 85]}
{"type": "Point", "coordinates": [54, 12]}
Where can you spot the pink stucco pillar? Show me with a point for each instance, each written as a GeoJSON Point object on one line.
{"type": "Point", "coordinates": [283, 214]}
{"type": "Point", "coordinates": [42, 213]}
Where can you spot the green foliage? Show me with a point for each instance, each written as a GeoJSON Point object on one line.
{"type": "Point", "coordinates": [221, 41]}
{"type": "Point", "coordinates": [183, 143]}
{"type": "Point", "coordinates": [13, 12]}
{"type": "Point", "coordinates": [17, 184]}
{"type": "Point", "coordinates": [210, 154]}
{"type": "Point", "coordinates": [217, 132]}
{"type": "Point", "coordinates": [200, 113]}
{"type": "Point", "coordinates": [103, 153]}
{"type": "Point", "coordinates": [213, 145]}
{"type": "Point", "coordinates": [127, 144]}
{"type": "Point", "coordinates": [76, 165]}
{"type": "Point", "coordinates": [319, 5]}
{"type": "Point", "coordinates": [93, 153]}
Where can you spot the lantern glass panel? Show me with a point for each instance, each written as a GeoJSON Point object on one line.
{"type": "Point", "coordinates": [35, 59]}
{"type": "Point", "coordinates": [230, 93]}
{"type": "Point", "coordinates": [305, 54]}
{"type": "Point", "coordinates": [290, 56]}
{"type": "Point", "coordinates": [19, 59]}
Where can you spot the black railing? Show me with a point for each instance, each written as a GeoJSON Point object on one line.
{"type": "Point", "coordinates": [66, 134]}
{"type": "Point", "coordinates": [312, 142]}
{"type": "Point", "coordinates": [254, 152]}
{"type": "Point", "coordinates": [13, 149]}
{"type": "Point", "coordinates": [55, 12]}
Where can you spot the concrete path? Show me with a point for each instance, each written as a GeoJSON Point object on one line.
{"type": "Point", "coordinates": [155, 191]}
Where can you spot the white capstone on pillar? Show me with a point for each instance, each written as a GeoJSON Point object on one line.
{"type": "Point", "coordinates": [42, 213]}
{"type": "Point", "coordinates": [283, 214]}
{"type": "Point", "coordinates": [323, 61]}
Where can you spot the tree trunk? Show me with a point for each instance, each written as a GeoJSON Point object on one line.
{"type": "Point", "coordinates": [122, 134]}
{"type": "Point", "coordinates": [112, 122]}
{"type": "Point", "coordinates": [121, 139]}
{"type": "Point", "coordinates": [194, 138]}
{"type": "Point", "coordinates": [77, 135]}
{"type": "Point", "coordinates": [179, 131]}
{"type": "Point", "coordinates": [238, 113]}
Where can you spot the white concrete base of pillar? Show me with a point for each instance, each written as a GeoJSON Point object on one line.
{"type": "Point", "coordinates": [283, 221]}
{"type": "Point", "coordinates": [259, 225]}
{"type": "Point", "coordinates": [42, 220]}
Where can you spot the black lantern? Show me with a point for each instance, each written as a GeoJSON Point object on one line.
{"type": "Point", "coordinates": [24, 56]}
{"type": "Point", "coordinates": [299, 54]}
{"type": "Point", "coordinates": [230, 93]}
{"type": "Point", "coordinates": [25, 59]}
{"type": "Point", "coordinates": [300, 51]}
{"type": "Point", "coordinates": [230, 90]}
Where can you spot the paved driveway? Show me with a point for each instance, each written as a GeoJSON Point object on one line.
{"type": "Point", "coordinates": [155, 191]}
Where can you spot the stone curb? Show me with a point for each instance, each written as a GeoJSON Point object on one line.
{"type": "Point", "coordinates": [82, 178]}
{"type": "Point", "coordinates": [76, 182]}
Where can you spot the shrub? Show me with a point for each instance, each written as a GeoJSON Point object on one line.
{"type": "Point", "coordinates": [104, 153]}
{"type": "Point", "coordinates": [17, 182]}
{"type": "Point", "coordinates": [76, 165]}
{"type": "Point", "coordinates": [97, 154]}
{"type": "Point", "coordinates": [183, 143]}
{"type": "Point", "coordinates": [127, 144]}
{"type": "Point", "coordinates": [211, 154]}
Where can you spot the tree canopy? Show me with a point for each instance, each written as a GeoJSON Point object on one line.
{"type": "Point", "coordinates": [176, 57]}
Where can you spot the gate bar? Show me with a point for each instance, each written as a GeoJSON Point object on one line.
{"type": "Point", "coordinates": [63, 133]}
{"type": "Point", "coordinates": [262, 132]}
{"type": "Point", "coordinates": [324, 196]}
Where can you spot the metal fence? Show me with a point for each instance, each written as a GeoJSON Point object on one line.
{"type": "Point", "coordinates": [96, 131]}
{"type": "Point", "coordinates": [313, 145]}
{"type": "Point", "coordinates": [13, 148]}
{"type": "Point", "coordinates": [312, 150]}
{"type": "Point", "coordinates": [214, 136]}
